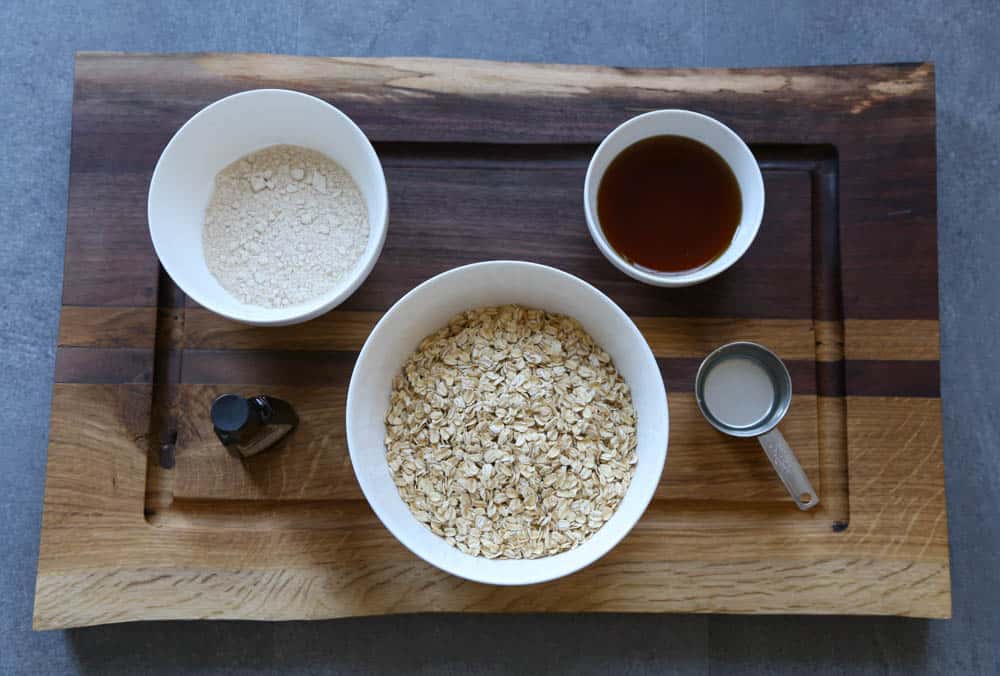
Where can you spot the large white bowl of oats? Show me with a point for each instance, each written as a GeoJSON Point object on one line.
{"type": "Point", "coordinates": [507, 422]}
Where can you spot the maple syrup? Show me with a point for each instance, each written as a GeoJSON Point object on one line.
{"type": "Point", "coordinates": [669, 203]}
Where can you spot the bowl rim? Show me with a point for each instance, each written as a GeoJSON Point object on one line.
{"type": "Point", "coordinates": [472, 573]}
{"type": "Point", "coordinates": [686, 277]}
{"type": "Point", "coordinates": [378, 227]}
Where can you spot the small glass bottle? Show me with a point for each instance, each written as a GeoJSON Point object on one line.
{"type": "Point", "coordinates": [247, 426]}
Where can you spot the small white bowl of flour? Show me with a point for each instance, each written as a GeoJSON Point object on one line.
{"type": "Point", "coordinates": [268, 207]}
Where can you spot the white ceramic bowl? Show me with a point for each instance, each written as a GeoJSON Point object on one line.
{"type": "Point", "coordinates": [427, 308]}
{"type": "Point", "coordinates": [716, 136]}
{"type": "Point", "coordinates": [226, 131]}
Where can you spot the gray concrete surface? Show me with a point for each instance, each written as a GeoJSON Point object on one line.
{"type": "Point", "coordinates": [37, 42]}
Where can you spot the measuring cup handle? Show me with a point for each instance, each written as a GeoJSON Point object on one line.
{"type": "Point", "coordinates": [787, 466]}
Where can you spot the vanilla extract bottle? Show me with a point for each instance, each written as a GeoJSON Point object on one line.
{"type": "Point", "coordinates": [247, 426]}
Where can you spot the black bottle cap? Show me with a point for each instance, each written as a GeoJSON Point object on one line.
{"type": "Point", "coordinates": [230, 413]}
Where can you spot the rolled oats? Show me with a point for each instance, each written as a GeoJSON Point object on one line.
{"type": "Point", "coordinates": [510, 433]}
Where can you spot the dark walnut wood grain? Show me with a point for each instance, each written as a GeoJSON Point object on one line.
{"type": "Point", "coordinates": [147, 518]}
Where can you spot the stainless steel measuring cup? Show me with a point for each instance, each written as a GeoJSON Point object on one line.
{"type": "Point", "coordinates": [735, 379]}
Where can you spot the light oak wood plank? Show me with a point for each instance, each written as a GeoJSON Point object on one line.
{"type": "Point", "coordinates": [882, 339]}
{"type": "Point", "coordinates": [702, 464]}
{"type": "Point", "coordinates": [836, 585]}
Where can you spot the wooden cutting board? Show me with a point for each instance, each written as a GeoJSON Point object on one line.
{"type": "Point", "coordinates": [146, 517]}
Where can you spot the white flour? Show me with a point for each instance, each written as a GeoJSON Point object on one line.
{"type": "Point", "coordinates": [285, 224]}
